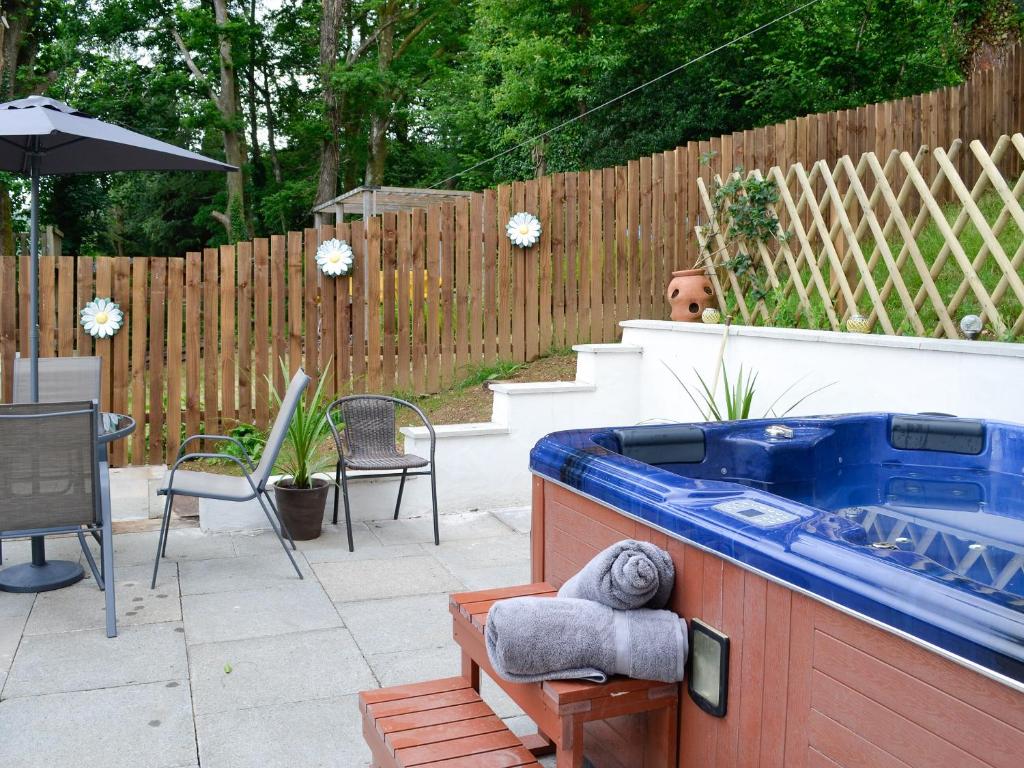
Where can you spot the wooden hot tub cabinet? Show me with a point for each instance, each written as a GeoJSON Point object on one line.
{"type": "Point", "coordinates": [809, 685]}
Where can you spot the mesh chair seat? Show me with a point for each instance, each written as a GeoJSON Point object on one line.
{"type": "Point", "coordinates": [385, 460]}
{"type": "Point", "coordinates": [208, 485]}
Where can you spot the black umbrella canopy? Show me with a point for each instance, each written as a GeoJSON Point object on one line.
{"type": "Point", "coordinates": [69, 141]}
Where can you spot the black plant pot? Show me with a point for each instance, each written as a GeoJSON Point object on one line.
{"type": "Point", "coordinates": [302, 509]}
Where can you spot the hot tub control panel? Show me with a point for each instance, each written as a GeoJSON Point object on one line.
{"type": "Point", "coordinates": [755, 513]}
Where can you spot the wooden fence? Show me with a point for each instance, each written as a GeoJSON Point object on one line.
{"type": "Point", "coordinates": [854, 248]}
{"type": "Point", "coordinates": [438, 290]}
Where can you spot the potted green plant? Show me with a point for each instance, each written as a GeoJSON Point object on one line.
{"type": "Point", "coordinates": [306, 452]}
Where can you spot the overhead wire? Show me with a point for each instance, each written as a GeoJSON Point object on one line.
{"type": "Point", "coordinates": [625, 94]}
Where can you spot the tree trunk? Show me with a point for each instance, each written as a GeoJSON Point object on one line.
{"type": "Point", "coordinates": [377, 144]}
{"type": "Point", "coordinates": [330, 29]}
{"type": "Point", "coordinates": [252, 98]}
{"type": "Point", "coordinates": [234, 219]}
{"type": "Point", "coordinates": [19, 19]}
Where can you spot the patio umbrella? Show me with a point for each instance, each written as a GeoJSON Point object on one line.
{"type": "Point", "coordinates": [42, 137]}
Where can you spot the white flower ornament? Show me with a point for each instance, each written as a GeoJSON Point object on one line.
{"type": "Point", "coordinates": [334, 257]}
{"type": "Point", "coordinates": [102, 318]}
{"type": "Point", "coordinates": [523, 229]}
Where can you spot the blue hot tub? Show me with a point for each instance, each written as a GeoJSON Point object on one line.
{"type": "Point", "coordinates": [914, 522]}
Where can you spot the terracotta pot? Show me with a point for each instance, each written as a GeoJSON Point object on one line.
{"type": "Point", "coordinates": [689, 294]}
{"type": "Point", "coordinates": [302, 509]}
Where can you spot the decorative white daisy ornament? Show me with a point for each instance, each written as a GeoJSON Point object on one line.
{"type": "Point", "coordinates": [102, 318]}
{"type": "Point", "coordinates": [523, 229]}
{"type": "Point", "coordinates": [334, 257]}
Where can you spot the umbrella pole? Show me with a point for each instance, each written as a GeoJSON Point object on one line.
{"type": "Point", "coordinates": [33, 272]}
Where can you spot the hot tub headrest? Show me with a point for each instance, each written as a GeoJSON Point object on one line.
{"type": "Point", "coordinates": [669, 444]}
{"type": "Point", "coordinates": [937, 433]}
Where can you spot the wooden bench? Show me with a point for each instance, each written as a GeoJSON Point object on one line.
{"type": "Point", "coordinates": [438, 724]}
{"type": "Point", "coordinates": [562, 708]}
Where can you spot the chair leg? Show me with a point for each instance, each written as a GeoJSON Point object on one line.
{"type": "Point", "coordinates": [401, 487]}
{"type": "Point", "coordinates": [348, 512]}
{"type": "Point", "coordinates": [107, 549]}
{"type": "Point", "coordinates": [433, 500]}
{"type": "Point", "coordinates": [161, 543]}
{"type": "Point", "coordinates": [97, 573]}
{"type": "Point", "coordinates": [270, 517]}
{"type": "Point", "coordinates": [337, 486]}
{"type": "Point", "coordinates": [280, 520]}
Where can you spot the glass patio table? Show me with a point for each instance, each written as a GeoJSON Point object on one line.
{"type": "Point", "coordinates": [42, 575]}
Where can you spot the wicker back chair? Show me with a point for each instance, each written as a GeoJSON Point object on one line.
{"type": "Point", "coordinates": [51, 482]}
{"type": "Point", "coordinates": [367, 442]}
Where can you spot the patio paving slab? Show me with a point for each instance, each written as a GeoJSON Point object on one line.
{"type": "Point", "coordinates": [131, 726]}
{"type": "Point", "coordinates": [86, 660]}
{"type": "Point", "coordinates": [399, 624]}
{"type": "Point", "coordinates": [14, 610]}
{"type": "Point", "coordinates": [393, 577]}
{"type": "Point", "coordinates": [419, 530]}
{"type": "Point", "coordinates": [183, 544]}
{"type": "Point", "coordinates": [241, 573]}
{"type": "Point", "coordinates": [501, 561]}
{"type": "Point", "coordinates": [325, 733]}
{"type": "Point", "coordinates": [280, 669]}
{"type": "Point", "coordinates": [218, 616]}
{"type": "Point", "coordinates": [82, 607]}
{"type": "Point", "coordinates": [336, 551]}
{"type": "Point", "coordinates": [517, 518]}
{"type": "Point", "coordinates": [265, 542]}
{"type": "Point", "coordinates": [17, 551]}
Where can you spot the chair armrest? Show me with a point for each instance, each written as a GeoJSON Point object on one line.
{"type": "Point", "coordinates": [237, 442]}
{"type": "Point", "coordinates": [191, 456]}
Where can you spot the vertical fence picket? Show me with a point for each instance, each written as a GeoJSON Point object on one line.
{"type": "Point", "coordinates": [476, 279]}
{"type": "Point", "coordinates": [530, 260]}
{"type": "Point", "coordinates": [406, 298]}
{"type": "Point", "coordinates": [388, 299]}
{"type": "Point", "coordinates": [228, 340]}
{"type": "Point", "coordinates": [154, 377]}
{"type": "Point", "coordinates": [65, 306]}
{"type": "Point", "coordinates": [489, 223]}
{"type": "Point", "coordinates": [244, 352]}
{"type": "Point", "coordinates": [278, 318]}
{"type": "Point", "coordinates": [175, 317]}
{"type": "Point", "coordinates": [121, 380]}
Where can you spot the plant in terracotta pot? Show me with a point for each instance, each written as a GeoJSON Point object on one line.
{"type": "Point", "coordinates": [307, 452]}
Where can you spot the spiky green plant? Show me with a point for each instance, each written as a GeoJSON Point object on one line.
{"type": "Point", "coordinates": [737, 396]}
{"type": "Point", "coordinates": [307, 450]}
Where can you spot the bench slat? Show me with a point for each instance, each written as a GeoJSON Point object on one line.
{"type": "Point", "coordinates": [432, 734]}
{"type": "Point", "coordinates": [500, 758]}
{"type": "Point", "coordinates": [454, 714]}
{"type": "Point", "coordinates": [422, 703]}
{"type": "Point", "coordinates": [413, 689]}
{"type": "Point", "coordinates": [471, 745]}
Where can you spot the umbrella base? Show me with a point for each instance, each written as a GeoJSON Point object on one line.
{"type": "Point", "coordinates": [28, 577]}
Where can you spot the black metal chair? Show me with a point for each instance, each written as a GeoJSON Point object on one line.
{"type": "Point", "coordinates": [52, 483]}
{"type": "Point", "coordinates": [367, 442]}
{"type": "Point", "coordinates": [253, 484]}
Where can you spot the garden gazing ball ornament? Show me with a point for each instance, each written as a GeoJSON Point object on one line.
{"type": "Point", "coordinates": [523, 229]}
{"type": "Point", "coordinates": [334, 257]}
{"type": "Point", "coordinates": [711, 315]}
{"type": "Point", "coordinates": [102, 318]}
{"type": "Point", "coordinates": [971, 326]}
{"type": "Point", "coordinates": [858, 324]}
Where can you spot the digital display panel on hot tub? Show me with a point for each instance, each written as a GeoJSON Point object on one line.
{"type": "Point", "coordinates": [916, 522]}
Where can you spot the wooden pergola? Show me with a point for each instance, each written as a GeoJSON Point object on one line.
{"type": "Point", "coordinates": [369, 201]}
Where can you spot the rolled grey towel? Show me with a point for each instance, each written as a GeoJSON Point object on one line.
{"type": "Point", "coordinates": [627, 575]}
{"type": "Point", "coordinates": [530, 639]}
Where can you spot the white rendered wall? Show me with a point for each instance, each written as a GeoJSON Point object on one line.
{"type": "Point", "coordinates": [485, 466]}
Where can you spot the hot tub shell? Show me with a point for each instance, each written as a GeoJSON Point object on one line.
{"type": "Point", "coordinates": [830, 665]}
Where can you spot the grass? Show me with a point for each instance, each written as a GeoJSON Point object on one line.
{"type": "Point", "coordinates": [788, 313]}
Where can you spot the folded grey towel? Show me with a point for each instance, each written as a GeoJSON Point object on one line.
{"type": "Point", "coordinates": [627, 575]}
{"type": "Point", "coordinates": [530, 639]}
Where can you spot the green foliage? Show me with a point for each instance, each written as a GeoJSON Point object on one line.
{"type": "Point", "coordinates": [252, 438]}
{"type": "Point", "coordinates": [745, 206]}
{"type": "Point", "coordinates": [307, 448]}
{"type": "Point", "coordinates": [458, 83]}
{"type": "Point", "coordinates": [480, 374]}
{"type": "Point", "coordinates": [737, 396]}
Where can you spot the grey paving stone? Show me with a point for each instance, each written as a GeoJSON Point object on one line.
{"type": "Point", "coordinates": [338, 552]}
{"type": "Point", "coordinates": [415, 530]}
{"type": "Point", "coordinates": [262, 542]}
{"type": "Point", "coordinates": [84, 660]}
{"type": "Point", "coordinates": [374, 579]}
{"type": "Point", "coordinates": [219, 616]}
{"type": "Point", "coordinates": [81, 606]}
{"type": "Point", "coordinates": [414, 666]}
{"type": "Point", "coordinates": [131, 726]}
{"type": "Point", "coordinates": [183, 544]}
{"type": "Point", "coordinates": [493, 577]}
{"type": "Point", "coordinates": [325, 733]}
{"type": "Point", "coordinates": [14, 610]}
{"type": "Point", "coordinates": [399, 624]}
{"type": "Point", "coordinates": [238, 573]}
{"type": "Point", "coordinates": [510, 549]}
{"type": "Point", "coordinates": [17, 551]}
{"type": "Point", "coordinates": [517, 518]}
{"type": "Point", "coordinates": [276, 670]}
